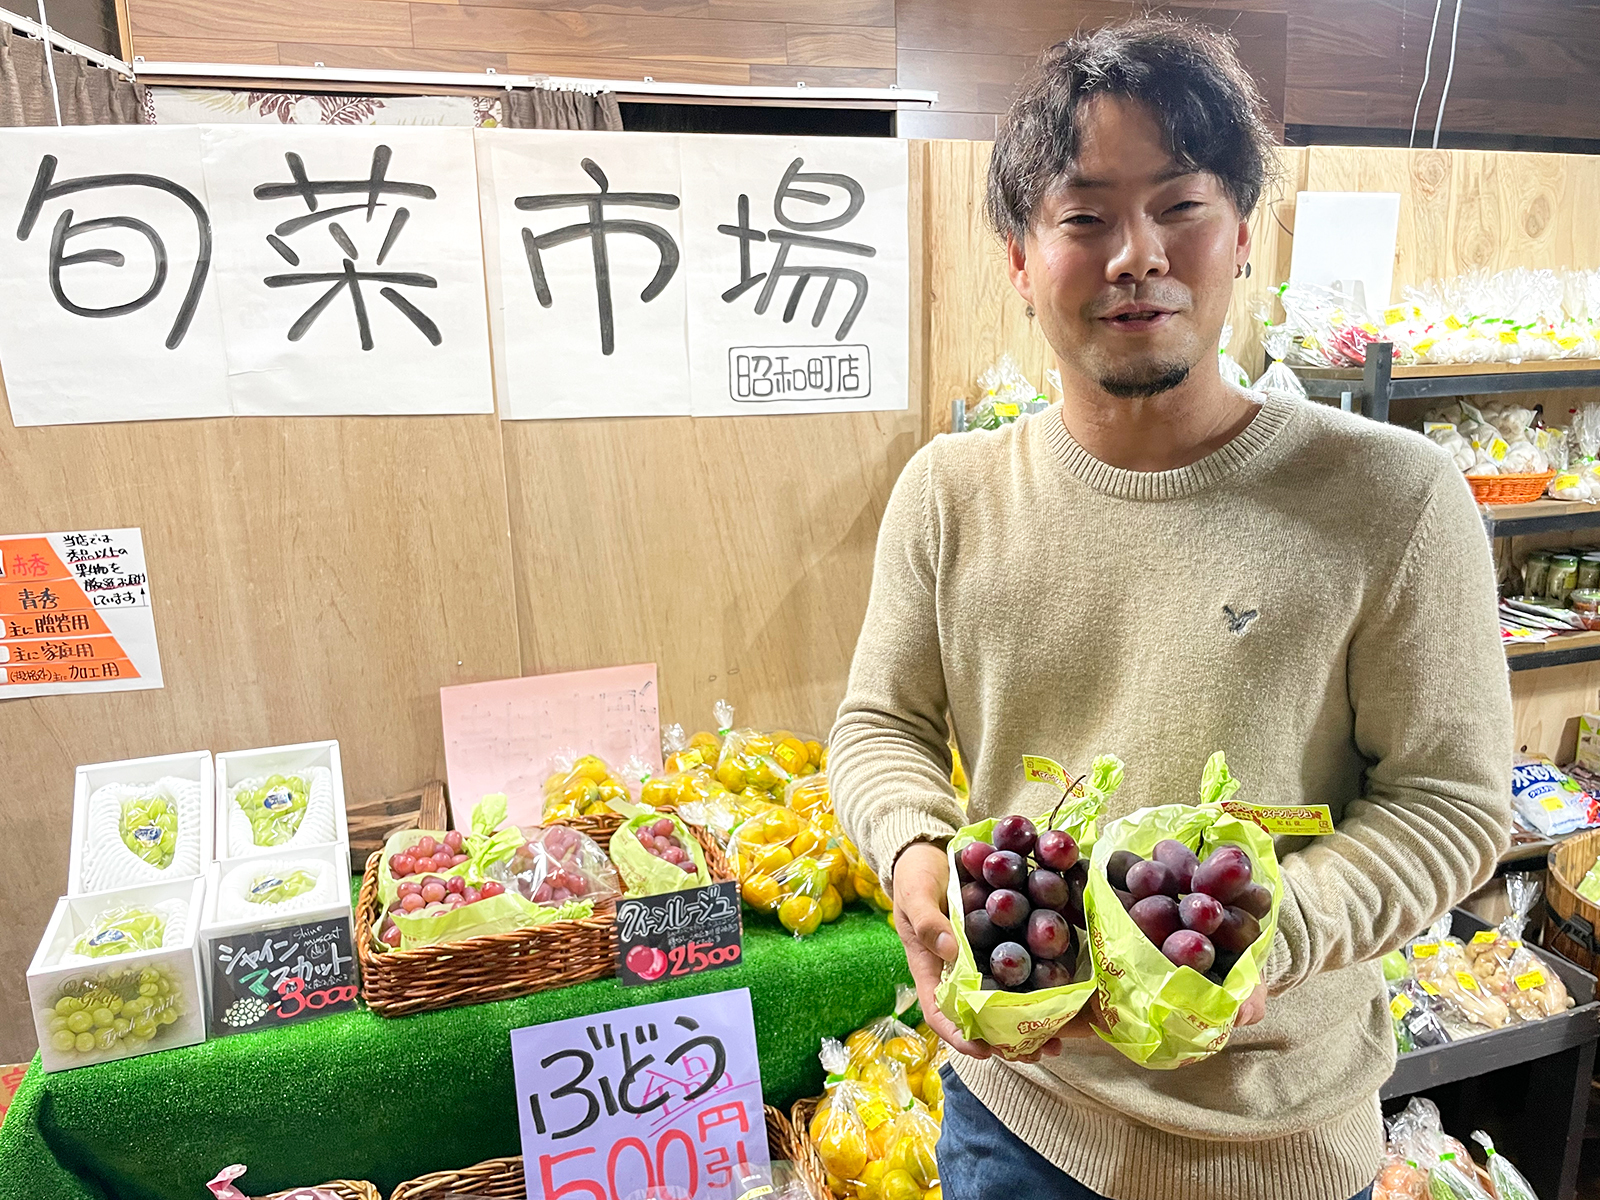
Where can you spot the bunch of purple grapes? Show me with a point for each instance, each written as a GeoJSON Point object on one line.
{"type": "Point", "coordinates": [1022, 902]}
{"type": "Point", "coordinates": [1199, 914]}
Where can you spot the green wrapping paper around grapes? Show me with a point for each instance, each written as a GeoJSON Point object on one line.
{"type": "Point", "coordinates": [1157, 1013]}
{"type": "Point", "coordinates": [1019, 1023]}
{"type": "Point", "coordinates": [643, 874]}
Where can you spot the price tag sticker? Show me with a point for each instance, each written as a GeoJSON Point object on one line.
{"type": "Point", "coordinates": [1424, 949]}
{"type": "Point", "coordinates": [1508, 336]}
{"type": "Point", "coordinates": [678, 933]}
{"type": "Point", "coordinates": [1453, 323]}
{"type": "Point", "coordinates": [1431, 989]}
{"type": "Point", "coordinates": [1400, 1005]}
{"type": "Point", "coordinates": [1007, 408]}
{"type": "Point", "coordinates": [1529, 980]}
{"type": "Point", "coordinates": [1303, 820]}
{"type": "Point", "coordinates": [1467, 980]}
{"type": "Point", "coordinates": [1484, 937]}
{"type": "Point", "coordinates": [658, 1099]}
{"type": "Point", "coordinates": [1552, 803]}
{"type": "Point", "coordinates": [873, 1113]}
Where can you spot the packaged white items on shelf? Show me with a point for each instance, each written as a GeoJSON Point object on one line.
{"type": "Point", "coordinates": [142, 820]}
{"type": "Point", "coordinates": [279, 799]}
{"type": "Point", "coordinates": [118, 974]}
{"type": "Point", "coordinates": [276, 938]}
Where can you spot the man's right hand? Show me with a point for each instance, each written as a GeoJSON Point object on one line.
{"type": "Point", "coordinates": [921, 879]}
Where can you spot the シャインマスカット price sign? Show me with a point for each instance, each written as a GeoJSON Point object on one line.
{"type": "Point", "coordinates": [660, 1099]}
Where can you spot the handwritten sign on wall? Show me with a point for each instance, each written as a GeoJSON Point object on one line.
{"type": "Point", "coordinates": [75, 614]}
{"type": "Point", "coordinates": [507, 735]}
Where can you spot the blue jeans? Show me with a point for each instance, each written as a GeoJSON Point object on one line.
{"type": "Point", "coordinates": [980, 1159]}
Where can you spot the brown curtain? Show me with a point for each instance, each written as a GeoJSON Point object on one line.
{"type": "Point", "coordinates": [89, 95]}
{"type": "Point", "coordinates": [548, 108]}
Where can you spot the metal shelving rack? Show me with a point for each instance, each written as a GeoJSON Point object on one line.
{"type": "Point", "coordinates": [1371, 390]}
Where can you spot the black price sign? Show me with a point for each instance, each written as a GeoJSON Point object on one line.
{"type": "Point", "coordinates": [282, 976]}
{"type": "Point", "coordinates": [677, 934]}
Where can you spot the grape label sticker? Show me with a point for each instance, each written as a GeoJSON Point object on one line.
{"type": "Point", "coordinates": [660, 1099]}
{"type": "Point", "coordinates": [75, 614]}
{"type": "Point", "coordinates": [283, 976]}
{"type": "Point", "coordinates": [680, 933]}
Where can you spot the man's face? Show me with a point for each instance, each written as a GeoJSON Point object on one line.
{"type": "Point", "coordinates": [1130, 260]}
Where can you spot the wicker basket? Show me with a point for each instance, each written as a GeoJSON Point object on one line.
{"type": "Point", "coordinates": [1571, 922]}
{"type": "Point", "coordinates": [501, 1178]}
{"type": "Point", "coordinates": [500, 966]}
{"type": "Point", "coordinates": [345, 1189]}
{"type": "Point", "coordinates": [806, 1160]}
{"type": "Point", "coordinates": [1509, 489]}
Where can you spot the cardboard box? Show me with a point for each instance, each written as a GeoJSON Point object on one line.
{"type": "Point", "coordinates": [176, 967]}
{"type": "Point", "coordinates": [1588, 752]}
{"type": "Point", "coordinates": [195, 766]}
{"type": "Point", "coordinates": [237, 766]}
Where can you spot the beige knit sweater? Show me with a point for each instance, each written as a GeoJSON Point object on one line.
{"type": "Point", "coordinates": [1044, 602]}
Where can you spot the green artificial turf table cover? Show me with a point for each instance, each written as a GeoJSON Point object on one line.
{"type": "Point", "coordinates": [355, 1096]}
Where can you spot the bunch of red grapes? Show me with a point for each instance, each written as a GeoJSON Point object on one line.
{"type": "Point", "coordinates": [1022, 900]}
{"type": "Point", "coordinates": [660, 838]}
{"type": "Point", "coordinates": [1200, 914]}
{"type": "Point", "coordinates": [430, 896]}
{"type": "Point", "coordinates": [427, 856]}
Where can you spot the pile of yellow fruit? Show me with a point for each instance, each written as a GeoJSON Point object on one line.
{"type": "Point", "coordinates": [876, 1127]}
{"type": "Point", "coordinates": [585, 790]}
{"type": "Point", "coordinates": [789, 867]}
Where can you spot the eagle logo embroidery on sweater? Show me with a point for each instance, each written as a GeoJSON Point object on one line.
{"type": "Point", "coordinates": [1238, 623]}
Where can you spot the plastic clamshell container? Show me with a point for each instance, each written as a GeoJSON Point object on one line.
{"type": "Point", "coordinates": [196, 765]}
{"type": "Point", "coordinates": [179, 966]}
{"type": "Point", "coordinates": [235, 766]}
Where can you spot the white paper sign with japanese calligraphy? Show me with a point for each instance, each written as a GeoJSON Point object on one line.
{"type": "Point", "coordinates": [351, 278]}
{"type": "Point", "coordinates": [659, 1100]}
{"type": "Point", "coordinates": [108, 303]}
{"type": "Point", "coordinates": [797, 274]}
{"type": "Point", "coordinates": [585, 279]}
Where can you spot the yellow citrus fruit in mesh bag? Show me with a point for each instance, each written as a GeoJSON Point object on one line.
{"type": "Point", "coordinates": [872, 1181]}
{"type": "Point", "coordinates": [800, 914]}
{"type": "Point", "coordinates": [808, 841]}
{"type": "Point", "coordinates": [770, 859]}
{"type": "Point", "coordinates": [709, 745]}
{"type": "Point", "coordinates": [862, 1046]}
{"type": "Point", "coordinates": [592, 767]}
{"type": "Point", "coordinates": [932, 1088]}
{"type": "Point", "coordinates": [842, 1147]}
{"type": "Point", "coordinates": [659, 790]}
{"type": "Point", "coordinates": [912, 1051]}
{"type": "Point", "coordinates": [832, 905]}
{"type": "Point", "coordinates": [934, 1193]}
{"type": "Point", "coordinates": [761, 892]}
{"type": "Point", "coordinates": [730, 776]}
{"type": "Point", "coordinates": [900, 1185]}
{"type": "Point", "coordinates": [806, 877]}
{"type": "Point", "coordinates": [914, 1156]}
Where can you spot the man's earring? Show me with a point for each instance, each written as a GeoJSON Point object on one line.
{"type": "Point", "coordinates": [1030, 312]}
{"type": "Point", "coordinates": [1242, 272]}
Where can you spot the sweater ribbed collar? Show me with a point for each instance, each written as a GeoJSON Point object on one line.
{"type": "Point", "coordinates": [1222, 462]}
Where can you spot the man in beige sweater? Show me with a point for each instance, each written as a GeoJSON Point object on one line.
{"type": "Point", "coordinates": [1161, 566]}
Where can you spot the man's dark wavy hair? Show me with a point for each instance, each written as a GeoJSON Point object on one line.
{"type": "Point", "coordinates": [1188, 75]}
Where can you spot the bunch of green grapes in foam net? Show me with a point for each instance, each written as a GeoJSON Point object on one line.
{"type": "Point", "coordinates": [270, 889]}
{"type": "Point", "coordinates": [126, 1006]}
{"type": "Point", "coordinates": [122, 932]}
{"type": "Point", "coordinates": [275, 808]}
{"type": "Point", "coordinates": [150, 828]}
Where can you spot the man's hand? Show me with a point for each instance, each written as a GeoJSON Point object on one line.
{"type": "Point", "coordinates": [921, 878]}
{"type": "Point", "coordinates": [1253, 1009]}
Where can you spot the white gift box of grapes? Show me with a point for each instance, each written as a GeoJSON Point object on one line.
{"type": "Point", "coordinates": [89, 1010]}
{"type": "Point", "coordinates": [306, 808]}
{"type": "Point", "coordinates": [290, 887]}
{"type": "Point", "coordinates": [140, 821]}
